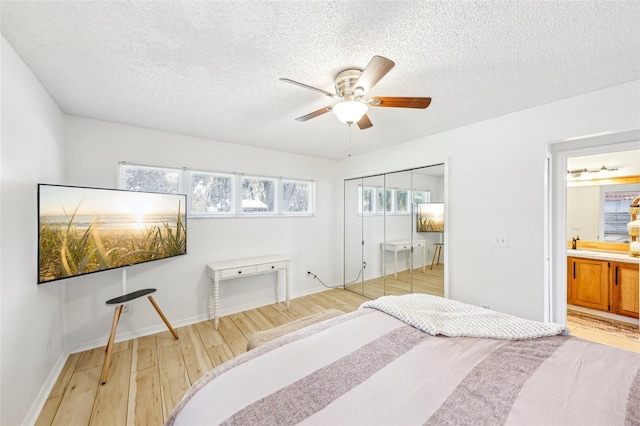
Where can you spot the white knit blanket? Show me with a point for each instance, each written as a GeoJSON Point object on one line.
{"type": "Point", "coordinates": [436, 315]}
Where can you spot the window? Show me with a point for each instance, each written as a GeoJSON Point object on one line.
{"type": "Point", "coordinates": [218, 194]}
{"type": "Point", "coordinates": [211, 193]}
{"type": "Point", "coordinates": [258, 195]}
{"type": "Point", "coordinates": [297, 197]}
{"type": "Point", "coordinates": [150, 179]}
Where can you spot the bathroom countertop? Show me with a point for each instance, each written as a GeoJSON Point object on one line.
{"type": "Point", "coordinates": [603, 255]}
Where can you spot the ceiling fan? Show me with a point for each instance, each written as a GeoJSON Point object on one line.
{"type": "Point", "coordinates": [351, 85]}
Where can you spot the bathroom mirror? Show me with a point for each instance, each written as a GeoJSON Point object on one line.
{"type": "Point", "coordinates": [600, 213]}
{"type": "Point", "coordinates": [600, 188]}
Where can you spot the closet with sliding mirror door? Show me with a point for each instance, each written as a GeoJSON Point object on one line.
{"type": "Point", "coordinates": [395, 250]}
{"type": "Point", "coordinates": [372, 224]}
{"type": "Point", "coordinates": [385, 250]}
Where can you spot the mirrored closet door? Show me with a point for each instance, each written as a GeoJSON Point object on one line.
{"type": "Point", "coordinates": [393, 232]}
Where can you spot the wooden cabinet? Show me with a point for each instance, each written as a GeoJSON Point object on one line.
{"type": "Point", "coordinates": [588, 283]}
{"type": "Point", "coordinates": [624, 278]}
{"type": "Point", "coordinates": [603, 285]}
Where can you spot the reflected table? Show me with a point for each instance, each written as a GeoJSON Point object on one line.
{"type": "Point", "coordinates": [401, 245]}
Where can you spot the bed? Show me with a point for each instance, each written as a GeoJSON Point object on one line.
{"type": "Point", "coordinates": [410, 360]}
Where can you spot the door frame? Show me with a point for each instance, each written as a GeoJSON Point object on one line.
{"type": "Point", "coordinates": [555, 199]}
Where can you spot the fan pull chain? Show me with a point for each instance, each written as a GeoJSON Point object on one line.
{"type": "Point", "coordinates": [349, 153]}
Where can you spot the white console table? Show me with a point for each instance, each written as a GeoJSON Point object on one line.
{"type": "Point", "coordinates": [402, 245]}
{"type": "Point", "coordinates": [237, 268]}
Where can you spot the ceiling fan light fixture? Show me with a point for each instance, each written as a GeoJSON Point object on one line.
{"type": "Point", "coordinates": [350, 112]}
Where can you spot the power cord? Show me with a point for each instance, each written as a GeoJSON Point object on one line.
{"type": "Point", "coordinates": [315, 277]}
{"type": "Point", "coordinates": [359, 273]}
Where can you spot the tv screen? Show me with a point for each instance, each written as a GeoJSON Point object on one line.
{"type": "Point", "coordinates": [85, 230]}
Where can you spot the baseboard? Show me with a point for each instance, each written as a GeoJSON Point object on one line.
{"type": "Point", "coordinates": [45, 390]}
{"type": "Point", "coordinates": [120, 337]}
{"type": "Point", "coordinates": [157, 328]}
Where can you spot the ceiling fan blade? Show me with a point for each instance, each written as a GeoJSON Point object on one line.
{"type": "Point", "coordinates": [377, 68]}
{"type": "Point", "coordinates": [324, 92]}
{"type": "Point", "coordinates": [314, 114]}
{"type": "Point", "coordinates": [400, 102]}
{"type": "Point", "coordinates": [364, 122]}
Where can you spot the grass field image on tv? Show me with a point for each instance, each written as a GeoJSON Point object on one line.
{"type": "Point", "coordinates": [85, 230]}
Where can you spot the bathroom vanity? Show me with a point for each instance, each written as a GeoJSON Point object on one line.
{"type": "Point", "coordinates": [603, 281]}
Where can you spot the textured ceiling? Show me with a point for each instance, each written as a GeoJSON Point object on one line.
{"type": "Point", "coordinates": [211, 69]}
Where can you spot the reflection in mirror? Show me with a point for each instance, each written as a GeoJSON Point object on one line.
{"type": "Point", "coordinates": [395, 250]}
{"type": "Point", "coordinates": [373, 224]}
{"type": "Point", "coordinates": [600, 188]}
{"type": "Point", "coordinates": [353, 208]}
{"type": "Point", "coordinates": [600, 213]}
{"type": "Point", "coordinates": [430, 278]}
{"type": "Point", "coordinates": [385, 252]}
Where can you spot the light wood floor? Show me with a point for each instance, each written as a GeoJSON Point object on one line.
{"type": "Point", "coordinates": [429, 281]}
{"type": "Point", "coordinates": [149, 375]}
{"type": "Point", "coordinates": [628, 341]}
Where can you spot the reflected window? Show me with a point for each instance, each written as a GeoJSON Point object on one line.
{"type": "Point", "coordinates": [402, 201]}
{"type": "Point", "coordinates": [420, 197]}
{"type": "Point", "coordinates": [385, 200]}
{"type": "Point", "coordinates": [616, 214]}
{"type": "Point", "coordinates": [367, 196]}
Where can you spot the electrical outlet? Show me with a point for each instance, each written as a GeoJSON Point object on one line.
{"type": "Point", "coordinates": [364, 265]}
{"type": "Point", "coordinates": [486, 306]}
{"type": "Point", "coordinates": [125, 308]}
{"type": "Point", "coordinates": [500, 240]}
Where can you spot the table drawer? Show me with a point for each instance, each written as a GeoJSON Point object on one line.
{"type": "Point", "coordinates": [237, 272]}
{"type": "Point", "coordinates": [271, 266]}
{"type": "Point", "coordinates": [420, 244]}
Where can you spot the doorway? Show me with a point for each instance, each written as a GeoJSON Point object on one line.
{"type": "Point", "coordinates": [556, 227]}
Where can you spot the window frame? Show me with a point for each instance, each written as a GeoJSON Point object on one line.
{"type": "Point", "coordinates": [184, 186]}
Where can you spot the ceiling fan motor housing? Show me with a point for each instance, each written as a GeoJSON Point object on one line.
{"type": "Point", "coordinates": [345, 83]}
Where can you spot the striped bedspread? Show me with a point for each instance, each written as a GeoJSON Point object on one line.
{"type": "Point", "coordinates": [370, 368]}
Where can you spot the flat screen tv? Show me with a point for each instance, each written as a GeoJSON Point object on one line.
{"type": "Point", "coordinates": [84, 230]}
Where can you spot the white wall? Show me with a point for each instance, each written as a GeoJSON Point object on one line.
{"type": "Point", "coordinates": [94, 150]}
{"type": "Point", "coordinates": [496, 185]}
{"type": "Point", "coordinates": [32, 151]}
